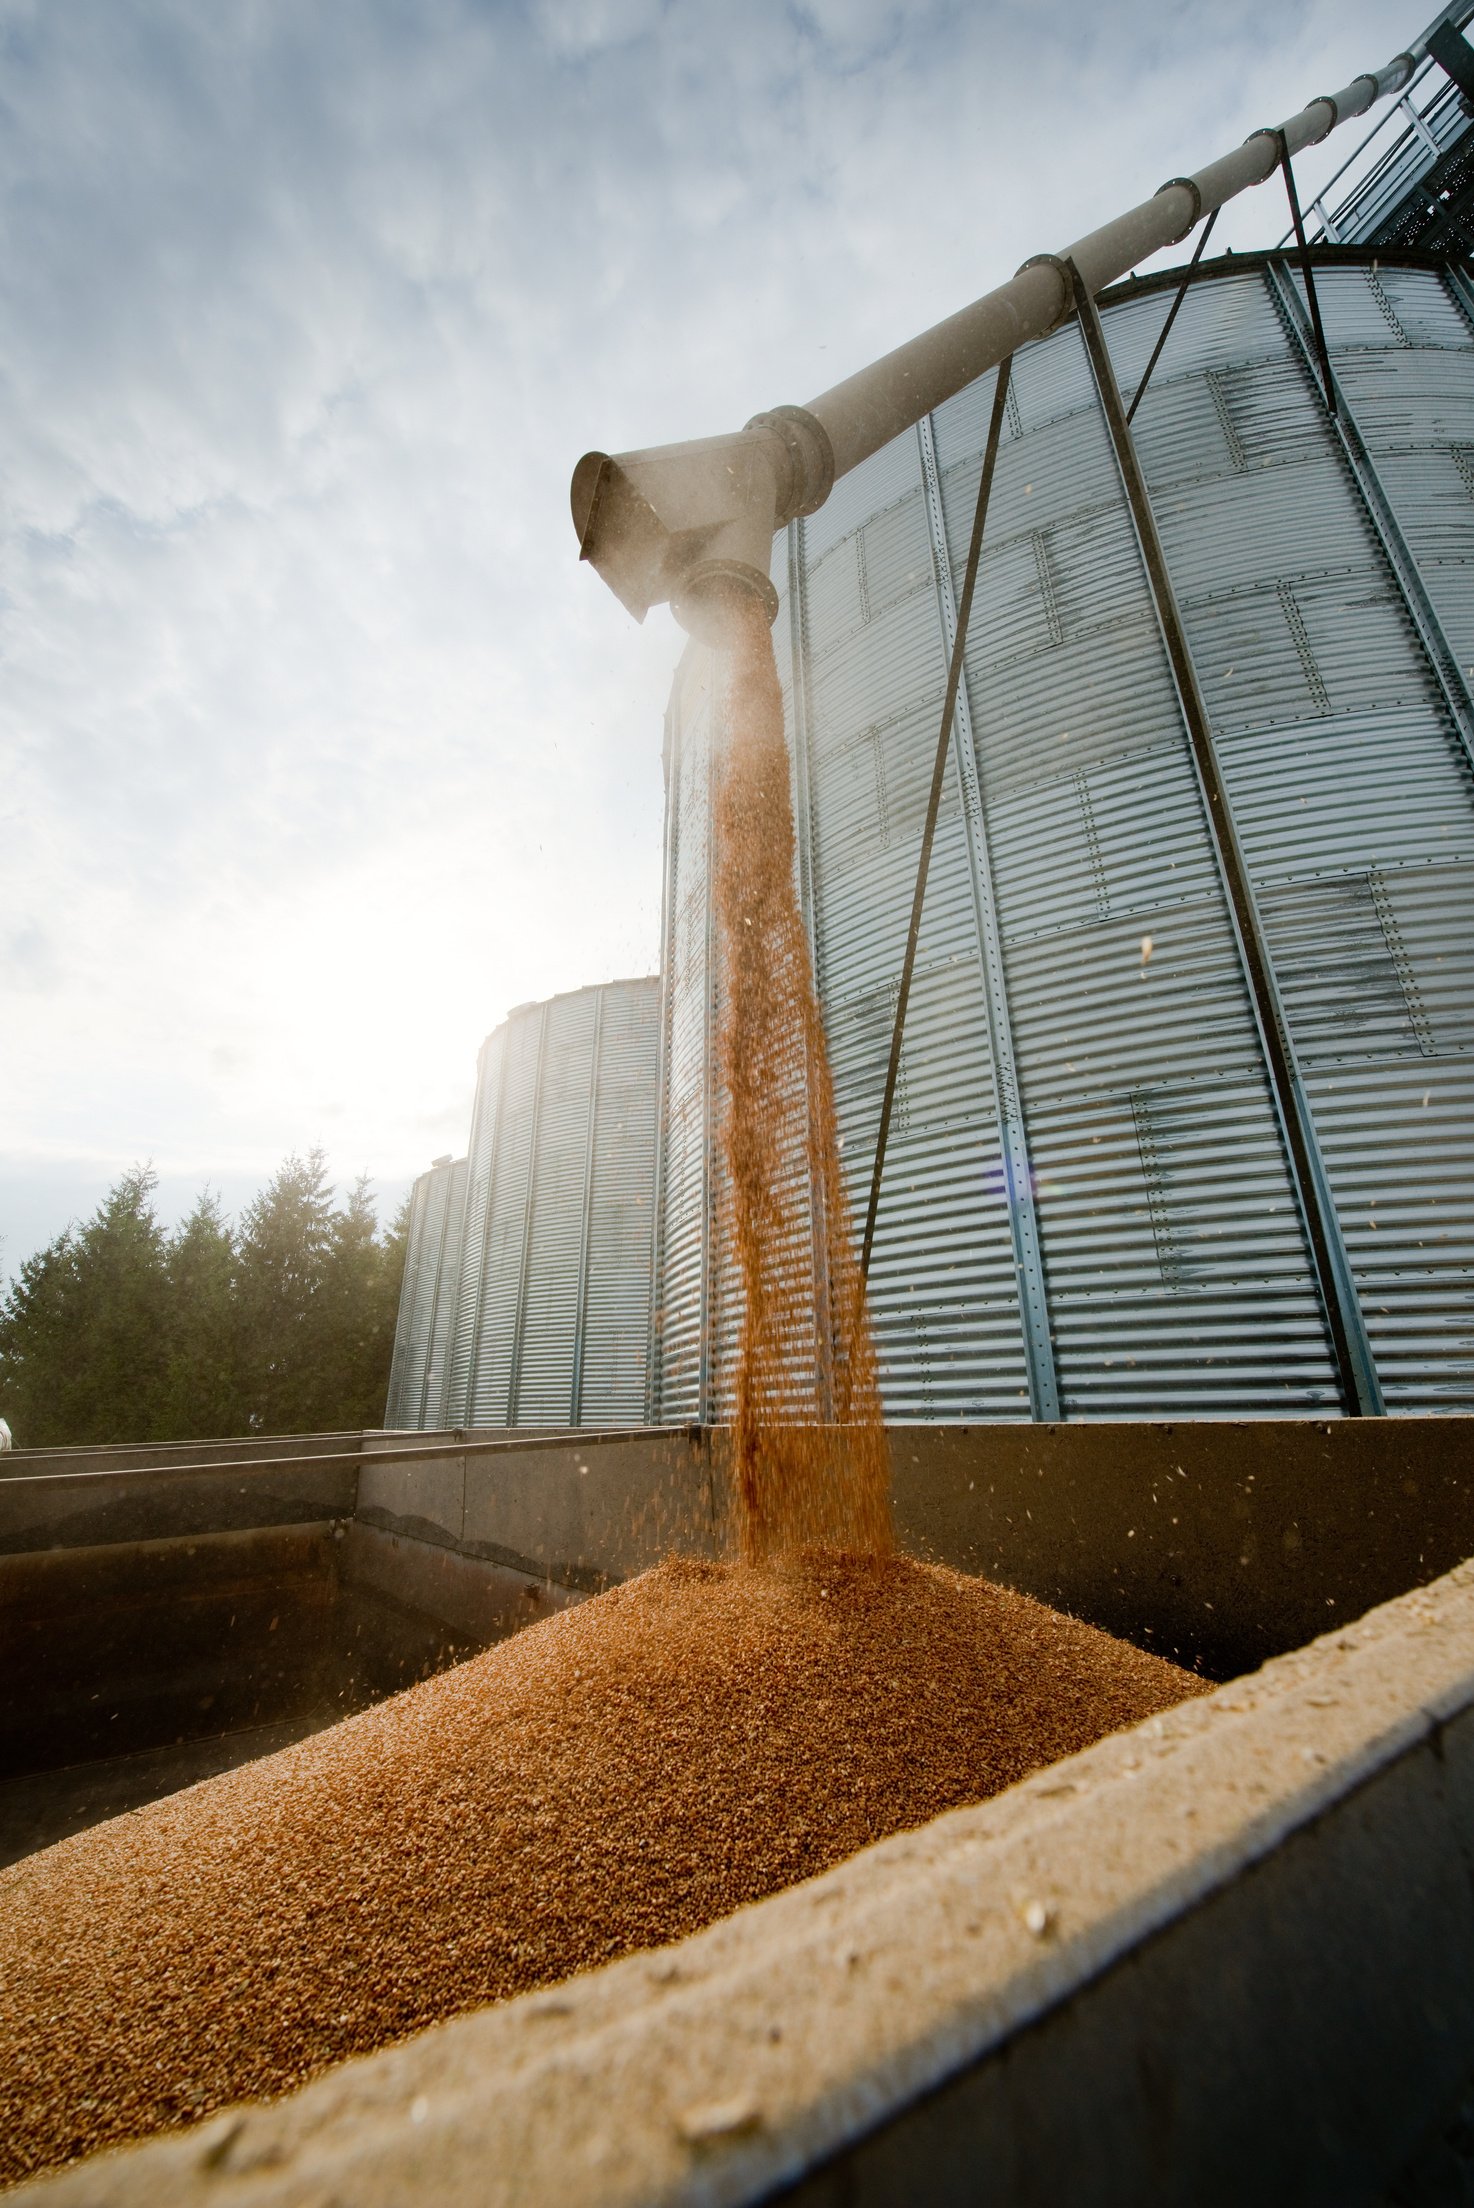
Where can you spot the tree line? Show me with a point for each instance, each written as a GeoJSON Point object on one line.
{"type": "Point", "coordinates": [119, 1331]}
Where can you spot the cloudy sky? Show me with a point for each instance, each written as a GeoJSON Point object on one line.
{"type": "Point", "coordinates": [318, 749]}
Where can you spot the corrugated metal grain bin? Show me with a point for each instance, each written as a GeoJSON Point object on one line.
{"type": "Point", "coordinates": [428, 1298]}
{"type": "Point", "coordinates": [1081, 1028]}
{"type": "Point", "coordinates": [553, 1315]}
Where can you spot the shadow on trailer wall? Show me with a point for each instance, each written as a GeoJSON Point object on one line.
{"type": "Point", "coordinates": [166, 1613]}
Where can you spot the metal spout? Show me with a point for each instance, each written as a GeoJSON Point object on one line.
{"type": "Point", "coordinates": [695, 523]}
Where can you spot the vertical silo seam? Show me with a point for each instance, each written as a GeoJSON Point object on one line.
{"type": "Point", "coordinates": [1407, 979]}
{"type": "Point", "coordinates": [1442, 659]}
{"type": "Point", "coordinates": [429, 1290]}
{"type": "Point", "coordinates": [470, 1410]}
{"type": "Point", "coordinates": [463, 1349]}
{"type": "Point", "coordinates": [1032, 1291]}
{"type": "Point", "coordinates": [519, 1330]}
{"type": "Point", "coordinates": [1360, 1388]}
{"type": "Point", "coordinates": [438, 1232]}
{"type": "Point", "coordinates": [447, 1287]}
{"type": "Point", "coordinates": [580, 1327]}
{"type": "Point", "coordinates": [442, 1213]}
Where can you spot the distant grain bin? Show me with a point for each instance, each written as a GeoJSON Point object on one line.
{"type": "Point", "coordinates": [552, 1286]}
{"type": "Point", "coordinates": [1089, 1207]}
{"type": "Point", "coordinates": [428, 1298]}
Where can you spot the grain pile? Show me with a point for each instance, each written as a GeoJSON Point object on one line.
{"type": "Point", "coordinates": [610, 1779]}
{"type": "Point", "coordinates": [809, 1450]}
{"type": "Point", "coordinates": [621, 1774]}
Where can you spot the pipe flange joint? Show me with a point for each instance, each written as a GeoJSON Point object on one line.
{"type": "Point", "coordinates": [810, 456]}
{"type": "Point", "coordinates": [1066, 277]}
{"type": "Point", "coordinates": [1326, 99]}
{"type": "Point", "coordinates": [1184, 184]}
{"type": "Point", "coordinates": [1279, 142]}
{"type": "Point", "coordinates": [708, 597]}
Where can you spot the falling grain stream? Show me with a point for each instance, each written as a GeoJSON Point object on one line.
{"type": "Point", "coordinates": [619, 1775]}
{"type": "Point", "coordinates": [809, 1446]}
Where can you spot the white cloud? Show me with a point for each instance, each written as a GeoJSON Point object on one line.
{"type": "Point", "coordinates": [320, 750]}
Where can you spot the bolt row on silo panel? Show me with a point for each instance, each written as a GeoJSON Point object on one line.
{"type": "Point", "coordinates": [1081, 1029]}
{"type": "Point", "coordinates": [554, 1299]}
{"type": "Point", "coordinates": [427, 1299]}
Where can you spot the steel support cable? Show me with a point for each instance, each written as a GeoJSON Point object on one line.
{"type": "Point", "coordinates": [934, 803]}
{"type": "Point", "coordinates": [1356, 1374]}
{"type": "Point", "coordinates": [1308, 272]}
{"type": "Point", "coordinates": [1166, 331]}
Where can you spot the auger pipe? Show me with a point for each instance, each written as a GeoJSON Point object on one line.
{"type": "Point", "coordinates": [694, 523]}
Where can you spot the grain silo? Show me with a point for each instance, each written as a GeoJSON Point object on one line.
{"type": "Point", "coordinates": [428, 1297]}
{"type": "Point", "coordinates": [1102, 1197]}
{"type": "Point", "coordinates": [553, 1288]}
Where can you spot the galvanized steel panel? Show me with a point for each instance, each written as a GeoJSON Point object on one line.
{"type": "Point", "coordinates": [615, 1321]}
{"type": "Point", "coordinates": [1176, 1269]}
{"type": "Point", "coordinates": [429, 1294]}
{"type": "Point", "coordinates": [554, 1277]}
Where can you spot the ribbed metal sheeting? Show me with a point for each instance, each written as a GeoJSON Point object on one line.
{"type": "Point", "coordinates": [554, 1306]}
{"type": "Point", "coordinates": [681, 1374]}
{"type": "Point", "coordinates": [1080, 987]}
{"type": "Point", "coordinates": [427, 1298]}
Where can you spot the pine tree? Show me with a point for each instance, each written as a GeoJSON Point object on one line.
{"type": "Point", "coordinates": [359, 1308]}
{"type": "Point", "coordinates": [115, 1334]}
{"type": "Point", "coordinates": [83, 1332]}
{"type": "Point", "coordinates": [285, 1237]}
{"type": "Point", "coordinates": [202, 1393]}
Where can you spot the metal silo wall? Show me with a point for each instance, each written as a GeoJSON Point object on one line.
{"type": "Point", "coordinates": [407, 1365]}
{"type": "Point", "coordinates": [1155, 1261]}
{"type": "Point", "coordinates": [680, 1379]}
{"type": "Point", "coordinates": [554, 1306]}
{"type": "Point", "coordinates": [698, 1294]}
{"type": "Point", "coordinates": [614, 1321]}
{"type": "Point", "coordinates": [866, 619]}
{"type": "Point", "coordinates": [1371, 889]}
{"type": "Point", "coordinates": [1176, 1275]}
{"type": "Point", "coordinates": [427, 1299]}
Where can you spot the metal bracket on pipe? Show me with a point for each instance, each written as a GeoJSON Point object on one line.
{"type": "Point", "coordinates": [1308, 272]}
{"type": "Point", "coordinates": [811, 459]}
{"type": "Point", "coordinates": [1166, 330]}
